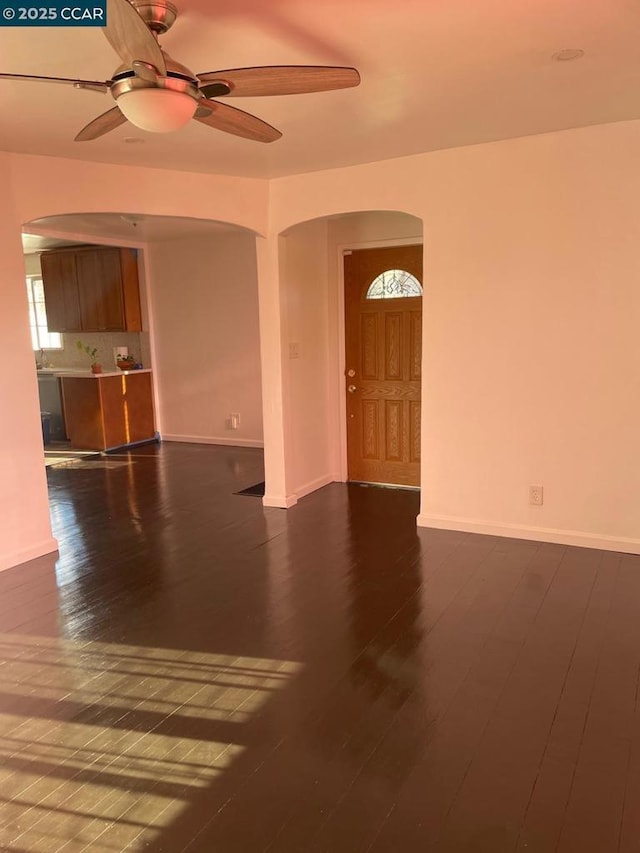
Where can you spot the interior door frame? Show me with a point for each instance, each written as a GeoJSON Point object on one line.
{"type": "Point", "coordinates": [343, 249]}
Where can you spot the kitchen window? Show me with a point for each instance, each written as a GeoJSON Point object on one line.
{"type": "Point", "coordinates": [41, 337]}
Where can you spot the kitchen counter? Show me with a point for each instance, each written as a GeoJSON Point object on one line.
{"type": "Point", "coordinates": [60, 371]}
{"type": "Point", "coordinates": [78, 373]}
{"type": "Point", "coordinates": [114, 411]}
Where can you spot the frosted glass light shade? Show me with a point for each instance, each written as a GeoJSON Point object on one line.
{"type": "Point", "coordinates": [157, 110]}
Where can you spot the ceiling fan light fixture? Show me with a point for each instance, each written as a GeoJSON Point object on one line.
{"type": "Point", "coordinates": [157, 110]}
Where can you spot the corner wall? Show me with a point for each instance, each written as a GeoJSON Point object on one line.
{"type": "Point", "coordinates": [304, 278]}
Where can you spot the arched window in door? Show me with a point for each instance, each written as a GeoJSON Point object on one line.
{"type": "Point", "coordinates": [394, 284]}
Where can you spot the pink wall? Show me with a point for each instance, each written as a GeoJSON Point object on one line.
{"type": "Point", "coordinates": [531, 339]}
{"type": "Point", "coordinates": [272, 302]}
{"type": "Point", "coordinates": [25, 529]}
{"type": "Point", "coordinates": [46, 186]}
{"type": "Point", "coordinates": [530, 325]}
{"type": "Point", "coordinates": [204, 295]}
{"type": "Point", "coordinates": [304, 276]}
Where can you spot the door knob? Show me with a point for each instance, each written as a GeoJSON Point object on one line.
{"type": "Point", "coordinates": [352, 389]}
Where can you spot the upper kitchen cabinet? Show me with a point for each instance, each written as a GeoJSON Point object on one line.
{"type": "Point", "coordinates": [91, 289]}
{"type": "Point", "coordinates": [61, 291]}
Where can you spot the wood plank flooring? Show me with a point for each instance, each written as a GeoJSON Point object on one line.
{"type": "Point", "coordinates": [197, 673]}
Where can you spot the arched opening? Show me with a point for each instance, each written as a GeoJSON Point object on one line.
{"type": "Point", "coordinates": [312, 275]}
{"type": "Point", "coordinates": [198, 332]}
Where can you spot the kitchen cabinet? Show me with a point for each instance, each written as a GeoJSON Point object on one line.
{"type": "Point", "coordinates": [61, 291]}
{"type": "Point", "coordinates": [108, 410]}
{"type": "Point", "coordinates": [91, 289]}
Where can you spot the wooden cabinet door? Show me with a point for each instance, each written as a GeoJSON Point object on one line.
{"type": "Point", "coordinates": [100, 290]}
{"type": "Point", "coordinates": [92, 290]}
{"type": "Point", "coordinates": [60, 283]}
{"type": "Point", "coordinates": [87, 266]}
{"type": "Point", "coordinates": [110, 285]}
{"type": "Point", "coordinates": [131, 290]}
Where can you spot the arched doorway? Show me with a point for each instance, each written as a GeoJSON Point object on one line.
{"type": "Point", "coordinates": [313, 338]}
{"type": "Point", "coordinates": [200, 335]}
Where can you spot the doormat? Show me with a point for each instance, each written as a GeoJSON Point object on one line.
{"type": "Point", "coordinates": [61, 457]}
{"type": "Point", "coordinates": [58, 460]}
{"type": "Point", "coordinates": [87, 464]}
{"type": "Point", "coordinates": [256, 491]}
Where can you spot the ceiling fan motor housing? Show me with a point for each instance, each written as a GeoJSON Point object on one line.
{"type": "Point", "coordinates": [158, 15]}
{"type": "Point", "coordinates": [129, 82]}
{"type": "Point", "coordinates": [179, 79]}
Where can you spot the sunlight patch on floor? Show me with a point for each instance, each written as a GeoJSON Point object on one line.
{"type": "Point", "coordinates": [102, 745]}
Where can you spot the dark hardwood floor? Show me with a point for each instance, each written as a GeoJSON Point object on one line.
{"type": "Point", "coordinates": [198, 673]}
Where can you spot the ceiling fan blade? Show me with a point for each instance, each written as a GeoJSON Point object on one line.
{"type": "Point", "coordinates": [94, 85]}
{"type": "Point", "coordinates": [103, 124]}
{"type": "Point", "coordinates": [281, 79]}
{"type": "Point", "coordinates": [130, 37]}
{"type": "Point", "coordinates": [229, 119]}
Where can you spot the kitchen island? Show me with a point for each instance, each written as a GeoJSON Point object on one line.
{"type": "Point", "coordinates": [108, 410]}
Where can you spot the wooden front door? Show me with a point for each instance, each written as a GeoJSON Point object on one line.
{"type": "Point", "coordinates": [383, 364]}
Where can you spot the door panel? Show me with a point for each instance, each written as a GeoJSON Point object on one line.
{"type": "Point", "coordinates": [414, 431]}
{"type": "Point", "coordinates": [393, 346]}
{"type": "Point", "coordinates": [370, 430]}
{"type": "Point", "coordinates": [384, 348]}
{"type": "Point", "coordinates": [393, 430]}
{"type": "Point", "coordinates": [415, 346]}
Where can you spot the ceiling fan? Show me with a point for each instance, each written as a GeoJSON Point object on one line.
{"type": "Point", "coordinates": [156, 93]}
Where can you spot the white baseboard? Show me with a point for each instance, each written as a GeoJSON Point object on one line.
{"type": "Point", "coordinates": [8, 561]}
{"type": "Point", "coordinates": [314, 485]}
{"type": "Point", "coordinates": [206, 439]}
{"type": "Point", "coordinates": [539, 534]}
{"type": "Point", "coordinates": [287, 501]}
{"type": "Point", "coordinates": [280, 501]}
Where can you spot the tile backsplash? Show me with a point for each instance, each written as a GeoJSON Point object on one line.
{"type": "Point", "coordinates": [70, 356]}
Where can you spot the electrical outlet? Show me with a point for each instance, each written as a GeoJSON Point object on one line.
{"type": "Point", "coordinates": [294, 350]}
{"type": "Point", "coordinates": [234, 420]}
{"type": "Point", "coordinates": [536, 494]}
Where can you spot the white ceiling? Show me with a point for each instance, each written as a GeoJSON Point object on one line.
{"type": "Point", "coordinates": [435, 74]}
